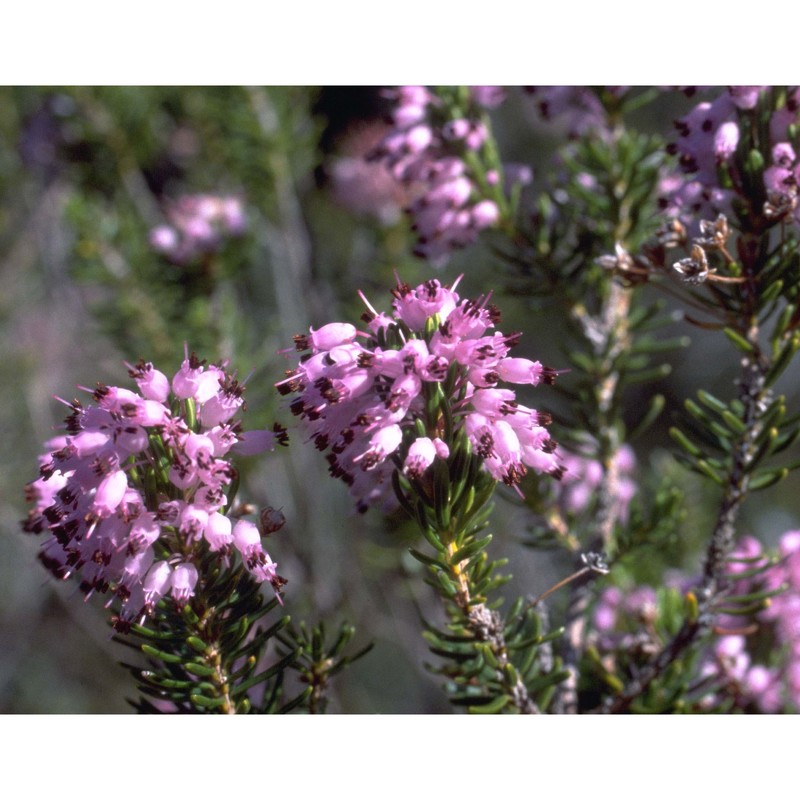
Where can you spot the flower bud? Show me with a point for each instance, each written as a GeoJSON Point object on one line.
{"type": "Point", "coordinates": [272, 520]}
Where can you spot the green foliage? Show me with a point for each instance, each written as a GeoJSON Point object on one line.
{"type": "Point", "coordinates": [317, 662]}
{"type": "Point", "coordinates": [208, 655]}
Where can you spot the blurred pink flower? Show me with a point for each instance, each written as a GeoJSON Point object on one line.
{"type": "Point", "coordinates": [197, 226]}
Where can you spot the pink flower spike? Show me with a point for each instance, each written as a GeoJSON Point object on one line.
{"type": "Point", "coordinates": [106, 524]}
{"type": "Point", "coordinates": [359, 408]}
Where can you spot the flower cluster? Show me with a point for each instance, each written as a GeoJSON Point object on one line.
{"type": "Point", "coordinates": [399, 395]}
{"type": "Point", "coordinates": [781, 180]}
{"type": "Point", "coordinates": [134, 492]}
{"type": "Point", "coordinates": [624, 621]}
{"type": "Point", "coordinates": [448, 208]}
{"type": "Point", "coordinates": [198, 224]}
{"type": "Point", "coordinates": [362, 186]}
{"type": "Point", "coordinates": [583, 475]}
{"type": "Point", "coordinates": [708, 137]}
{"type": "Point", "coordinates": [580, 107]}
{"type": "Point", "coordinates": [732, 667]}
{"type": "Point", "coordinates": [773, 685]}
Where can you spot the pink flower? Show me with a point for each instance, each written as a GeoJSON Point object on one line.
{"type": "Point", "coordinates": [183, 580]}
{"type": "Point", "coordinates": [488, 96]}
{"type": "Point", "coordinates": [485, 214]}
{"type": "Point", "coordinates": [101, 497]}
{"type": "Point", "coordinates": [725, 140]}
{"type": "Point", "coordinates": [426, 152]}
{"type": "Point", "coordinates": [421, 454]}
{"type": "Point", "coordinates": [156, 584]}
{"type": "Point", "coordinates": [362, 407]}
{"type": "Point", "coordinates": [222, 405]}
{"type": "Point", "coordinates": [217, 532]}
{"type": "Point", "coordinates": [198, 225]}
{"type": "Point", "coordinates": [745, 97]}
{"type": "Point", "coordinates": [164, 238]}
{"type": "Point", "coordinates": [247, 540]}
{"type": "Point", "coordinates": [381, 444]}
{"type": "Point", "coordinates": [109, 493]}
{"type": "Point", "coordinates": [582, 477]}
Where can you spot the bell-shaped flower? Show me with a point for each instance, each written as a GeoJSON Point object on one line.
{"type": "Point", "coordinates": [420, 456]}
{"type": "Point", "coordinates": [218, 532]}
{"type": "Point", "coordinates": [183, 582]}
{"type": "Point", "coordinates": [109, 493]}
{"type": "Point", "coordinates": [156, 583]}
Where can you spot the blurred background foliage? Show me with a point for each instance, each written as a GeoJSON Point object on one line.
{"type": "Point", "coordinates": [85, 176]}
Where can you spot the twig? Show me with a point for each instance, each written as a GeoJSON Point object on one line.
{"type": "Point", "coordinates": [754, 397]}
{"type": "Point", "coordinates": [608, 332]}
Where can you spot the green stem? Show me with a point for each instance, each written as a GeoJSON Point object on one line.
{"type": "Point", "coordinates": [753, 396]}
{"type": "Point", "coordinates": [487, 626]}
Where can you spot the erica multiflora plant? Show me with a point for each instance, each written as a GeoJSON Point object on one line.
{"type": "Point", "coordinates": [729, 204]}
{"type": "Point", "coordinates": [739, 247]}
{"type": "Point", "coordinates": [601, 198]}
{"type": "Point", "coordinates": [635, 246]}
{"type": "Point", "coordinates": [417, 409]}
{"type": "Point", "coordinates": [137, 501]}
